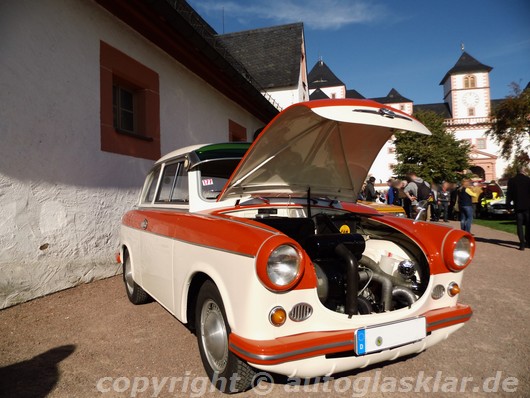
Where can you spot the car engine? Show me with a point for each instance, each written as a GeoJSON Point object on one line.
{"type": "Point", "coordinates": [362, 266]}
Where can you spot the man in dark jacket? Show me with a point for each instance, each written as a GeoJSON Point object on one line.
{"type": "Point", "coordinates": [371, 195]}
{"type": "Point", "coordinates": [519, 194]}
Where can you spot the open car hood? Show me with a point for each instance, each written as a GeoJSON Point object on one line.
{"type": "Point", "coordinates": [324, 146]}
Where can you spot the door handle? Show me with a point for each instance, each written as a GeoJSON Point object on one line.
{"type": "Point", "coordinates": [144, 224]}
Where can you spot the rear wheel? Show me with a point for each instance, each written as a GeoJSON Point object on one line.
{"type": "Point", "coordinates": [226, 371]}
{"type": "Point", "coordinates": [136, 294]}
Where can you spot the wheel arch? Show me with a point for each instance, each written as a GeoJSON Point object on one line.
{"type": "Point", "coordinates": [197, 279]}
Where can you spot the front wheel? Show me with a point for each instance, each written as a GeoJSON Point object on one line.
{"type": "Point", "coordinates": [226, 371]}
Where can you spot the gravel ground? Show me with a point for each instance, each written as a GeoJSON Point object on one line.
{"type": "Point", "coordinates": [64, 344]}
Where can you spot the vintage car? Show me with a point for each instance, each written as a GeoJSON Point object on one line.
{"type": "Point", "coordinates": [256, 249]}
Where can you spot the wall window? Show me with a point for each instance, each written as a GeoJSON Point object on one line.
{"type": "Point", "coordinates": [236, 132]}
{"type": "Point", "coordinates": [333, 95]}
{"type": "Point", "coordinates": [471, 112]}
{"type": "Point", "coordinates": [123, 109]}
{"type": "Point", "coordinates": [481, 143]}
{"type": "Point", "coordinates": [130, 105]}
{"type": "Point", "coordinates": [469, 81]}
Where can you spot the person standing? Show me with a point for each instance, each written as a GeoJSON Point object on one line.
{"type": "Point", "coordinates": [416, 190]}
{"type": "Point", "coordinates": [465, 205]}
{"type": "Point", "coordinates": [444, 196]}
{"type": "Point", "coordinates": [371, 195]}
{"type": "Point", "coordinates": [405, 199]}
{"type": "Point", "coordinates": [433, 204]}
{"type": "Point", "coordinates": [478, 190]}
{"type": "Point", "coordinates": [519, 194]}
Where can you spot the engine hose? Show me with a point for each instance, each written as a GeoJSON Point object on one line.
{"type": "Point", "coordinates": [352, 279]}
{"type": "Point", "coordinates": [404, 294]}
{"type": "Point", "coordinates": [396, 281]}
{"type": "Point", "coordinates": [386, 287]}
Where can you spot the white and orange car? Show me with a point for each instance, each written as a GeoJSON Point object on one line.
{"type": "Point", "coordinates": [254, 247]}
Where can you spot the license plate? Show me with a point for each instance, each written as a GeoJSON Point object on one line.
{"type": "Point", "coordinates": [388, 335]}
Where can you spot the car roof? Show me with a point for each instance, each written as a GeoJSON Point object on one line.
{"type": "Point", "coordinates": [209, 151]}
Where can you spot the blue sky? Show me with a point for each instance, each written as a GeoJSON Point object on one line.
{"type": "Point", "coordinates": [374, 45]}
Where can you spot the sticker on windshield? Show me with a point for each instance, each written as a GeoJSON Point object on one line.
{"type": "Point", "coordinates": [207, 181]}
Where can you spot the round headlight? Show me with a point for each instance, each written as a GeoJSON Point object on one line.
{"type": "Point", "coordinates": [462, 252]}
{"type": "Point", "coordinates": [458, 250]}
{"type": "Point", "coordinates": [283, 265]}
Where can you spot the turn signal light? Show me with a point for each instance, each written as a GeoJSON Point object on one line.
{"type": "Point", "coordinates": [453, 289]}
{"type": "Point", "coordinates": [277, 316]}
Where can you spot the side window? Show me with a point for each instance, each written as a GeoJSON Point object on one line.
{"type": "Point", "coordinates": [167, 183]}
{"type": "Point", "coordinates": [150, 185]}
{"type": "Point", "coordinates": [180, 192]}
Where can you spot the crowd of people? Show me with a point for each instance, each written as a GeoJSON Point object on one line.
{"type": "Point", "coordinates": [462, 201]}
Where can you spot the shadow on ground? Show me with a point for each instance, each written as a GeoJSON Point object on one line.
{"type": "Point", "coordinates": [506, 243]}
{"type": "Point", "coordinates": [35, 377]}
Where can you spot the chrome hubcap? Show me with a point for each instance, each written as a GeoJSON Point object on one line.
{"type": "Point", "coordinates": [213, 335]}
{"type": "Point", "coordinates": [127, 273]}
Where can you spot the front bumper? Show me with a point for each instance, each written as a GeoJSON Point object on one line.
{"type": "Point", "coordinates": [274, 355]}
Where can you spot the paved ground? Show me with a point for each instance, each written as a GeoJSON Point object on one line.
{"type": "Point", "coordinates": [64, 344]}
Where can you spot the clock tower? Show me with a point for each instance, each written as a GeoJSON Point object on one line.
{"type": "Point", "coordinates": [467, 88]}
{"type": "Point", "coordinates": [467, 95]}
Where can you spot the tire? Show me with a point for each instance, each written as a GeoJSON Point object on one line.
{"type": "Point", "coordinates": [227, 372]}
{"type": "Point", "coordinates": [136, 294]}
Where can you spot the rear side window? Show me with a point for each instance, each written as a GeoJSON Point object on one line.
{"type": "Point", "coordinates": [180, 193]}
{"type": "Point", "coordinates": [167, 183]}
{"type": "Point", "coordinates": [150, 185]}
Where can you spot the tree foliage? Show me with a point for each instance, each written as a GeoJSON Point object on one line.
{"type": "Point", "coordinates": [511, 127]}
{"type": "Point", "coordinates": [438, 157]}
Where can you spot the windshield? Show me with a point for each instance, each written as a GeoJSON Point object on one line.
{"type": "Point", "coordinates": [214, 175]}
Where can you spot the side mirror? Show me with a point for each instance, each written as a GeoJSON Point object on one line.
{"type": "Point", "coordinates": [421, 211]}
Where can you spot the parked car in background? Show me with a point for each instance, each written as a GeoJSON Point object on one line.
{"type": "Point", "coordinates": [257, 250]}
{"type": "Point", "coordinates": [495, 205]}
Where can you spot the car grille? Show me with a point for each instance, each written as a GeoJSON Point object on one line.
{"type": "Point", "coordinates": [300, 312]}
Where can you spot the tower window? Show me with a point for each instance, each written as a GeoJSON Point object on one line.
{"type": "Point", "coordinates": [470, 82]}
{"type": "Point", "coordinates": [471, 111]}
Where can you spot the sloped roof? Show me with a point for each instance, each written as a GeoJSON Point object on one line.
{"type": "Point", "coordinates": [271, 55]}
{"type": "Point", "coordinates": [466, 64]}
{"type": "Point", "coordinates": [321, 76]}
{"type": "Point", "coordinates": [393, 97]}
{"type": "Point", "coordinates": [354, 94]}
{"type": "Point", "coordinates": [177, 29]}
{"type": "Point", "coordinates": [318, 94]}
{"type": "Point", "coordinates": [441, 109]}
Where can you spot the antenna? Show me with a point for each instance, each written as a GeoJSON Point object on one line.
{"type": "Point", "coordinates": [223, 20]}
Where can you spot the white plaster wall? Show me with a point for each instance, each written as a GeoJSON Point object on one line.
{"type": "Point", "coordinates": [287, 97]}
{"type": "Point", "coordinates": [339, 91]}
{"type": "Point", "coordinates": [381, 168]}
{"type": "Point", "coordinates": [62, 197]}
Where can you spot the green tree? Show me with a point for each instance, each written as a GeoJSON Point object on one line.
{"type": "Point", "coordinates": [511, 127]}
{"type": "Point", "coordinates": [437, 157]}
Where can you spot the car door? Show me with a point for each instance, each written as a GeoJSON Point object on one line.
{"type": "Point", "coordinates": [157, 245]}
